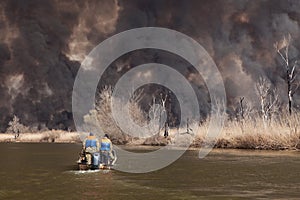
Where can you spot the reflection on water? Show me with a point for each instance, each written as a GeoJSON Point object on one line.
{"type": "Point", "coordinates": [48, 171]}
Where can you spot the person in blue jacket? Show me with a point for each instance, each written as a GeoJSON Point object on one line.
{"type": "Point", "coordinates": [105, 151]}
{"type": "Point", "coordinates": [90, 145]}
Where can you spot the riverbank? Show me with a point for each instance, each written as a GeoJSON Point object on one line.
{"type": "Point", "coordinates": [56, 136]}
{"type": "Point", "coordinates": [265, 141]}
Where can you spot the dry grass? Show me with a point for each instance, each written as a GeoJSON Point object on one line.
{"type": "Point", "coordinates": [47, 136]}
{"type": "Point", "coordinates": [279, 134]}
{"type": "Point", "coordinates": [282, 132]}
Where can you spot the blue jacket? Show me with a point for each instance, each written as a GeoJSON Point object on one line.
{"type": "Point", "coordinates": [105, 144]}
{"type": "Point", "coordinates": [91, 141]}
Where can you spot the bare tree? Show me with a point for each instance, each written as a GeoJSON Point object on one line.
{"type": "Point", "coordinates": [166, 134]}
{"type": "Point", "coordinates": [268, 98]}
{"type": "Point", "coordinates": [158, 112]}
{"type": "Point", "coordinates": [243, 109]}
{"type": "Point", "coordinates": [101, 118]}
{"type": "Point", "coordinates": [188, 128]}
{"type": "Point", "coordinates": [16, 127]}
{"type": "Point", "coordinates": [290, 66]}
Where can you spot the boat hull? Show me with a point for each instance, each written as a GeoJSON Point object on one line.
{"type": "Point", "coordinates": [82, 163]}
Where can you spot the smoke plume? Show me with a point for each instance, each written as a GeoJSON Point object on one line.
{"type": "Point", "coordinates": [43, 43]}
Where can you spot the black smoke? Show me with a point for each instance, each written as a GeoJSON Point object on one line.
{"type": "Point", "coordinates": [43, 43]}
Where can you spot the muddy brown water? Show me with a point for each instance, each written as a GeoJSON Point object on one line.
{"type": "Point", "coordinates": [48, 171]}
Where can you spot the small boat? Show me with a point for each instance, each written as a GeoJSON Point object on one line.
{"type": "Point", "coordinates": [96, 161]}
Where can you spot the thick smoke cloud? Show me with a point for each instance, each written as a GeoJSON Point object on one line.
{"type": "Point", "coordinates": [43, 43]}
{"type": "Point", "coordinates": [36, 77]}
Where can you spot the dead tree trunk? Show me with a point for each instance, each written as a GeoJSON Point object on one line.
{"type": "Point", "coordinates": [268, 99]}
{"type": "Point", "coordinates": [242, 107]}
{"type": "Point", "coordinates": [283, 50]}
{"type": "Point", "coordinates": [163, 103]}
{"type": "Point", "coordinates": [290, 94]}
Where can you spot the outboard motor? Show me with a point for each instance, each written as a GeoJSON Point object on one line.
{"type": "Point", "coordinates": [96, 159]}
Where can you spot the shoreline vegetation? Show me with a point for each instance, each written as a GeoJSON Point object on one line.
{"type": "Point", "coordinates": [54, 136]}
{"type": "Point", "coordinates": [247, 129]}
{"type": "Point", "coordinates": [234, 135]}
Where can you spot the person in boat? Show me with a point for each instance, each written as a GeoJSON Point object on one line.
{"type": "Point", "coordinates": [90, 145]}
{"type": "Point", "coordinates": [105, 150]}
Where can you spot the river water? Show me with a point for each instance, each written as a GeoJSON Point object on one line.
{"type": "Point", "coordinates": [48, 171]}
